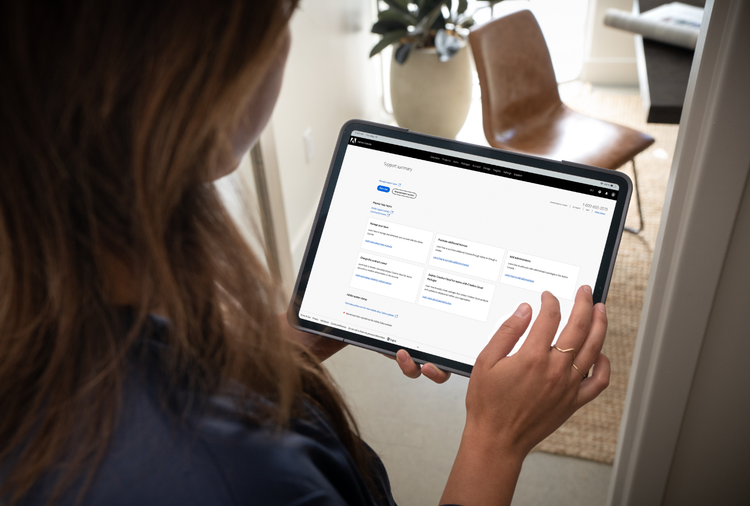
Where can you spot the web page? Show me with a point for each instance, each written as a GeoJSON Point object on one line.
{"type": "Point", "coordinates": [434, 250]}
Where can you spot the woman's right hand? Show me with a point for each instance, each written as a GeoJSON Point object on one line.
{"type": "Point", "coordinates": [514, 402]}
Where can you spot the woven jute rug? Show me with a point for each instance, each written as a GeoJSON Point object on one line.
{"type": "Point", "coordinates": [592, 432]}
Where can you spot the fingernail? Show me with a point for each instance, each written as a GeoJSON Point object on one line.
{"type": "Point", "coordinates": [587, 289]}
{"type": "Point", "coordinates": [601, 307]}
{"type": "Point", "coordinates": [429, 370]}
{"type": "Point", "coordinates": [402, 357]}
{"type": "Point", "coordinates": [522, 311]}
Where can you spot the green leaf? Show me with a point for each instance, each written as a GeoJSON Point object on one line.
{"type": "Point", "coordinates": [386, 25]}
{"type": "Point", "coordinates": [429, 20]}
{"type": "Point", "coordinates": [402, 5]}
{"type": "Point", "coordinates": [402, 53]}
{"type": "Point", "coordinates": [387, 40]}
{"type": "Point", "coordinates": [438, 24]}
{"type": "Point", "coordinates": [429, 6]}
{"type": "Point", "coordinates": [466, 23]}
{"type": "Point", "coordinates": [398, 16]}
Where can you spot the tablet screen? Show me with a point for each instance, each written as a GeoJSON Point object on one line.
{"type": "Point", "coordinates": [429, 245]}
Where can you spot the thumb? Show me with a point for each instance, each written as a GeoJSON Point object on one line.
{"type": "Point", "coordinates": [506, 336]}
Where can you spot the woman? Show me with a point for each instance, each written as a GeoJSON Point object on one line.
{"type": "Point", "coordinates": [140, 357]}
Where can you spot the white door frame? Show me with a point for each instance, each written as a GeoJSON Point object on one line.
{"type": "Point", "coordinates": [709, 173]}
{"type": "Point", "coordinates": [267, 178]}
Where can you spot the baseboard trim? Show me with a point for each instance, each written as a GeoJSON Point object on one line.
{"type": "Point", "coordinates": [611, 71]}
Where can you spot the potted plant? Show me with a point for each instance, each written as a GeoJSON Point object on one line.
{"type": "Point", "coordinates": [430, 68]}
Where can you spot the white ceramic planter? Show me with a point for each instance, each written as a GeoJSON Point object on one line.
{"type": "Point", "coordinates": [430, 96]}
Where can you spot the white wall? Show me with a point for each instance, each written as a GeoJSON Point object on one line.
{"type": "Point", "coordinates": [609, 55]}
{"type": "Point", "coordinates": [329, 79]}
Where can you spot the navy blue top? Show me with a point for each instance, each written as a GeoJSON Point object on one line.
{"type": "Point", "coordinates": [157, 458]}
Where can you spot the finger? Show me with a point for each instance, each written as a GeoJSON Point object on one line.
{"type": "Point", "coordinates": [435, 374]}
{"type": "Point", "coordinates": [407, 365]}
{"type": "Point", "coordinates": [545, 327]}
{"type": "Point", "coordinates": [592, 346]}
{"type": "Point", "coordinates": [595, 384]}
{"type": "Point", "coordinates": [579, 323]}
{"type": "Point", "coordinates": [506, 336]}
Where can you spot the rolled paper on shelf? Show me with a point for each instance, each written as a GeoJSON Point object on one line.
{"type": "Point", "coordinates": [682, 35]}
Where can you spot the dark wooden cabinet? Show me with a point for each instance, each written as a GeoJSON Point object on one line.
{"type": "Point", "coordinates": [663, 72]}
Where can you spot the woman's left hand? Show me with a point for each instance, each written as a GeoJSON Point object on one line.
{"type": "Point", "coordinates": [414, 370]}
{"type": "Point", "coordinates": [323, 348]}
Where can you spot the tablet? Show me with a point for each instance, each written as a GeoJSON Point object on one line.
{"type": "Point", "coordinates": [429, 244]}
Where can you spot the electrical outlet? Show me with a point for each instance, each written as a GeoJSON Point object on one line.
{"type": "Point", "coordinates": [309, 144]}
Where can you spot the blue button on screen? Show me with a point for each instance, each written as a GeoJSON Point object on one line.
{"type": "Point", "coordinates": [382, 188]}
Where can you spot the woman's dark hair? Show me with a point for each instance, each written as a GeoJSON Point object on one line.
{"type": "Point", "coordinates": [114, 116]}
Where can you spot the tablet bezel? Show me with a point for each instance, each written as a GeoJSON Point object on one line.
{"type": "Point", "coordinates": [604, 276]}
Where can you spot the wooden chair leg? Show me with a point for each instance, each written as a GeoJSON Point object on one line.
{"type": "Point", "coordinates": [638, 203]}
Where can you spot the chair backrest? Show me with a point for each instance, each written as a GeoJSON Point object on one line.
{"type": "Point", "coordinates": [515, 72]}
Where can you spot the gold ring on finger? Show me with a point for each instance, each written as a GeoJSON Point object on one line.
{"type": "Point", "coordinates": [567, 350]}
{"type": "Point", "coordinates": [577, 369]}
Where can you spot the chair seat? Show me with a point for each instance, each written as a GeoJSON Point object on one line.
{"type": "Point", "coordinates": [564, 134]}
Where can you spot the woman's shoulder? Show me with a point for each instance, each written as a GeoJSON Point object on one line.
{"type": "Point", "coordinates": [213, 455]}
{"type": "Point", "coordinates": [216, 459]}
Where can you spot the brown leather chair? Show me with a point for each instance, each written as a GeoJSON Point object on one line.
{"type": "Point", "coordinates": [522, 110]}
